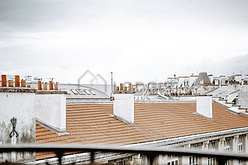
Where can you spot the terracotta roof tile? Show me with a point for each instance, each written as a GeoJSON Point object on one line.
{"type": "Point", "coordinates": [91, 123]}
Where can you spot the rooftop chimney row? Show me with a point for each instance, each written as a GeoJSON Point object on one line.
{"type": "Point", "coordinates": [123, 89]}
{"type": "Point", "coordinates": [10, 83]}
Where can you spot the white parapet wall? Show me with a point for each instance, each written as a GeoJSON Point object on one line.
{"type": "Point", "coordinates": [124, 106]}
{"type": "Point", "coordinates": [245, 88]}
{"type": "Point", "coordinates": [50, 110]}
{"type": "Point", "coordinates": [243, 99]}
{"type": "Point", "coordinates": [204, 106]}
{"type": "Point", "coordinates": [17, 121]}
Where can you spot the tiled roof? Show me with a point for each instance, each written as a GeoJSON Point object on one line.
{"type": "Point", "coordinates": [91, 123]}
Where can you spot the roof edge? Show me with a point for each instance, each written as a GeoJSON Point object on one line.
{"type": "Point", "coordinates": [122, 120]}
{"type": "Point", "coordinates": [51, 128]}
{"type": "Point", "coordinates": [194, 138]}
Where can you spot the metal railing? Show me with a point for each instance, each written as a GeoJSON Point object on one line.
{"type": "Point", "coordinates": [151, 153]}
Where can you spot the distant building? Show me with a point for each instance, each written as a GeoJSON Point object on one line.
{"type": "Point", "coordinates": [209, 121]}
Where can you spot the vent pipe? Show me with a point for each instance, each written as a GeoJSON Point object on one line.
{"type": "Point", "coordinates": [112, 87]}
{"type": "Point", "coordinates": [39, 85]}
{"type": "Point", "coordinates": [56, 87]}
{"type": "Point", "coordinates": [45, 86]}
{"type": "Point", "coordinates": [4, 81]}
{"type": "Point", "coordinates": [121, 87]}
{"type": "Point", "coordinates": [10, 83]}
{"type": "Point", "coordinates": [17, 81]}
{"type": "Point", "coordinates": [50, 85]}
{"type": "Point", "coordinates": [125, 88]}
{"type": "Point", "coordinates": [130, 87]}
{"type": "Point", "coordinates": [23, 83]}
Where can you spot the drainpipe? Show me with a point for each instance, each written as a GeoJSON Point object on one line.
{"type": "Point", "coordinates": [112, 82]}
{"type": "Point", "coordinates": [112, 88]}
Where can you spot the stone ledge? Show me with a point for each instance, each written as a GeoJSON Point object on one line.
{"type": "Point", "coordinates": [17, 90]}
{"type": "Point", "coordinates": [29, 90]}
{"type": "Point", "coordinates": [40, 92]}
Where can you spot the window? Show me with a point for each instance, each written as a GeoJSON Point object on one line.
{"type": "Point", "coordinates": [172, 160]}
{"type": "Point", "coordinates": [240, 147]}
{"type": "Point", "coordinates": [227, 148]}
{"type": "Point", "coordinates": [227, 145]}
{"type": "Point", "coordinates": [211, 161]}
{"type": "Point", "coordinates": [193, 160]}
{"type": "Point", "coordinates": [241, 162]}
{"type": "Point", "coordinates": [211, 147]}
{"type": "Point", "coordinates": [240, 144]}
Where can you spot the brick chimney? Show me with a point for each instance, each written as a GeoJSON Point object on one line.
{"type": "Point", "coordinates": [4, 81]}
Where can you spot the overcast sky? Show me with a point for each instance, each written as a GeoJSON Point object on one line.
{"type": "Point", "coordinates": [138, 40]}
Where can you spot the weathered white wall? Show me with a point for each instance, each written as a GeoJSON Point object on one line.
{"type": "Point", "coordinates": [204, 106]}
{"type": "Point", "coordinates": [21, 106]}
{"type": "Point", "coordinates": [243, 99]}
{"type": "Point", "coordinates": [192, 80]}
{"type": "Point", "coordinates": [51, 110]}
{"type": "Point", "coordinates": [204, 89]}
{"type": "Point", "coordinates": [124, 106]}
{"type": "Point", "coordinates": [245, 88]}
{"type": "Point", "coordinates": [233, 87]}
{"type": "Point", "coordinates": [238, 78]}
{"type": "Point", "coordinates": [152, 97]}
{"type": "Point", "coordinates": [182, 80]}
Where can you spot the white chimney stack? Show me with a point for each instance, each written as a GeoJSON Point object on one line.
{"type": "Point", "coordinates": [204, 106]}
{"type": "Point", "coordinates": [50, 107]}
{"type": "Point", "coordinates": [124, 107]}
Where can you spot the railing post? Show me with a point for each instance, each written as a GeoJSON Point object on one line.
{"type": "Point", "coordinates": [59, 155]}
{"type": "Point", "coordinates": [92, 155]}
{"type": "Point", "coordinates": [221, 160]}
{"type": "Point", "coordinates": [151, 157]}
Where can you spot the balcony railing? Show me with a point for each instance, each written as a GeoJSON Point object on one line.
{"type": "Point", "coordinates": [151, 153]}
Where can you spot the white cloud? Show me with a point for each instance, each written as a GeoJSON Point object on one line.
{"type": "Point", "coordinates": [137, 40]}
